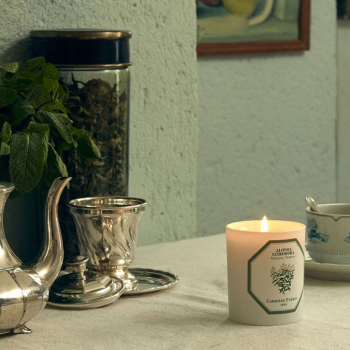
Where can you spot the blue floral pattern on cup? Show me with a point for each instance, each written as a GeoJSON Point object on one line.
{"type": "Point", "coordinates": [328, 233]}
{"type": "Point", "coordinates": [313, 235]}
{"type": "Point", "coordinates": [347, 238]}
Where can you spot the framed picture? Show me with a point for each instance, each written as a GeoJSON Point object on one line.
{"type": "Point", "coordinates": [343, 9]}
{"type": "Point", "coordinates": [229, 27]}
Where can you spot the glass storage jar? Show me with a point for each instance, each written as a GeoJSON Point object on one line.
{"type": "Point", "coordinates": [94, 68]}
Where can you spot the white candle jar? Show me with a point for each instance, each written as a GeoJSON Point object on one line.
{"type": "Point", "coordinates": [265, 272]}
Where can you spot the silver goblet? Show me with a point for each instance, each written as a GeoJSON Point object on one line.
{"type": "Point", "coordinates": [107, 233]}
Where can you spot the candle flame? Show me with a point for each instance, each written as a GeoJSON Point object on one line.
{"type": "Point", "coordinates": [264, 225]}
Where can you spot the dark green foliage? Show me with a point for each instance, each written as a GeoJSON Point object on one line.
{"type": "Point", "coordinates": [35, 130]}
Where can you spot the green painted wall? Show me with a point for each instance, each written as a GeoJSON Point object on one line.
{"type": "Point", "coordinates": [343, 61]}
{"type": "Point", "coordinates": [266, 126]}
{"type": "Point", "coordinates": [267, 131]}
{"type": "Point", "coordinates": [163, 149]}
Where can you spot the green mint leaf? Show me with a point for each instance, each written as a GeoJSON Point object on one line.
{"type": "Point", "coordinates": [28, 80]}
{"type": "Point", "coordinates": [9, 79]}
{"type": "Point", "coordinates": [87, 148]}
{"type": "Point", "coordinates": [48, 84]}
{"type": "Point", "coordinates": [56, 85]}
{"type": "Point", "coordinates": [34, 64]}
{"type": "Point", "coordinates": [21, 111]}
{"type": "Point", "coordinates": [27, 76]}
{"type": "Point", "coordinates": [77, 133]}
{"type": "Point", "coordinates": [6, 132]}
{"type": "Point", "coordinates": [66, 146]}
{"type": "Point", "coordinates": [60, 122]}
{"type": "Point", "coordinates": [4, 149]}
{"type": "Point", "coordinates": [38, 96]}
{"type": "Point", "coordinates": [8, 74]}
{"type": "Point", "coordinates": [28, 155]}
{"type": "Point", "coordinates": [10, 67]}
{"type": "Point", "coordinates": [60, 106]}
{"type": "Point", "coordinates": [62, 95]}
{"type": "Point", "coordinates": [7, 96]}
{"type": "Point", "coordinates": [56, 167]}
{"type": "Point", "coordinates": [50, 71]}
{"type": "Point", "coordinates": [24, 87]}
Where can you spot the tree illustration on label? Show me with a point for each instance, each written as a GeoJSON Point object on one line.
{"type": "Point", "coordinates": [282, 278]}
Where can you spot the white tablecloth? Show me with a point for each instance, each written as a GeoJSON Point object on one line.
{"type": "Point", "coordinates": [192, 315]}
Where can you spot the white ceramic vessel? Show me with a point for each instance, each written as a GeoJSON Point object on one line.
{"type": "Point", "coordinates": [328, 234]}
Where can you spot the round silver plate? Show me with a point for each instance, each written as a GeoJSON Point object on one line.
{"type": "Point", "coordinates": [149, 281]}
{"type": "Point", "coordinates": [91, 304]}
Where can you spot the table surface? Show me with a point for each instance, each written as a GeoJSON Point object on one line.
{"type": "Point", "coordinates": [192, 315]}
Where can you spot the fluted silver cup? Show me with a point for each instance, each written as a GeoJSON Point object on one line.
{"type": "Point", "coordinates": [107, 232]}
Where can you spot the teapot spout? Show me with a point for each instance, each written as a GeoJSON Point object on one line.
{"type": "Point", "coordinates": [49, 261]}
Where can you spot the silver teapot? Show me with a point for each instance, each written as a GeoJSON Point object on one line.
{"type": "Point", "coordinates": [24, 290]}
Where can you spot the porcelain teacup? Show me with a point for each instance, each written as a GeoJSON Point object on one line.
{"type": "Point", "coordinates": [328, 234]}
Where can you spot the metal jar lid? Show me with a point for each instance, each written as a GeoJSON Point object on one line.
{"type": "Point", "coordinates": [84, 289]}
{"type": "Point", "coordinates": [82, 48]}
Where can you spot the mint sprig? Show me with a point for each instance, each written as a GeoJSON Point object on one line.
{"type": "Point", "coordinates": [35, 130]}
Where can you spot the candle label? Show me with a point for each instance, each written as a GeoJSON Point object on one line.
{"type": "Point", "coordinates": [276, 276]}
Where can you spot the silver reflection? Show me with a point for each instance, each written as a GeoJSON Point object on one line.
{"type": "Point", "coordinates": [107, 232]}
{"type": "Point", "coordinates": [24, 290]}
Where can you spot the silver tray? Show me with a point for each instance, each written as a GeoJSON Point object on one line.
{"type": "Point", "coordinates": [150, 281]}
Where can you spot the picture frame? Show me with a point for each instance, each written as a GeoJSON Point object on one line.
{"type": "Point", "coordinates": [302, 43]}
{"type": "Point", "coordinates": [343, 9]}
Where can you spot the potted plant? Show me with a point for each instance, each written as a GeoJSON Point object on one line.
{"type": "Point", "coordinates": [35, 131]}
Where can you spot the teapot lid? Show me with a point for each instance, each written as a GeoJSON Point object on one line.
{"type": "Point", "coordinates": [83, 289]}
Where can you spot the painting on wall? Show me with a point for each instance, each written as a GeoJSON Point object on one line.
{"type": "Point", "coordinates": [343, 9]}
{"type": "Point", "coordinates": [227, 27]}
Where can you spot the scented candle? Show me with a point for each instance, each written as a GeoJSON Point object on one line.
{"type": "Point", "coordinates": [265, 262]}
